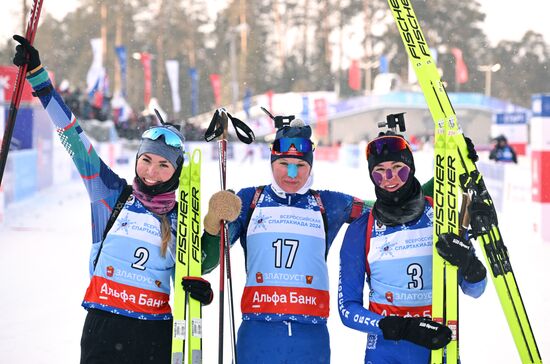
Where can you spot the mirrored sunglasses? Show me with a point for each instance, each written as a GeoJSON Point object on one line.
{"type": "Point", "coordinates": [285, 145]}
{"type": "Point", "coordinates": [391, 143]}
{"type": "Point", "coordinates": [170, 138]}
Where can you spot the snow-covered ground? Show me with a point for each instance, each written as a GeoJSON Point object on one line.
{"type": "Point", "coordinates": [44, 272]}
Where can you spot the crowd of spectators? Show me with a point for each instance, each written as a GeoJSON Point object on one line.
{"type": "Point", "coordinates": [129, 124]}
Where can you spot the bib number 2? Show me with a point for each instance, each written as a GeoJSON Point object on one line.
{"type": "Point", "coordinates": [142, 255]}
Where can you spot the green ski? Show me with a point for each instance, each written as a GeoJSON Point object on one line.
{"type": "Point", "coordinates": [187, 312]}
{"type": "Point", "coordinates": [454, 170]}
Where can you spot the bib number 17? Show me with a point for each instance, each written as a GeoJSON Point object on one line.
{"type": "Point", "coordinates": [279, 245]}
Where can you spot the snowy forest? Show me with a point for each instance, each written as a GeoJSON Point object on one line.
{"type": "Point", "coordinates": [295, 45]}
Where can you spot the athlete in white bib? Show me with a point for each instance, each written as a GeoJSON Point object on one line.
{"type": "Point", "coordinates": [390, 249]}
{"type": "Point", "coordinates": [131, 264]}
{"type": "Point", "coordinates": [286, 230]}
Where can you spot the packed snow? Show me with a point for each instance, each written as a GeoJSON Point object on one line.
{"type": "Point", "coordinates": [45, 244]}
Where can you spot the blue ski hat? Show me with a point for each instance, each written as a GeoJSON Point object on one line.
{"type": "Point", "coordinates": [298, 136]}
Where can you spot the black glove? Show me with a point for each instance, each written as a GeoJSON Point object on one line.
{"type": "Point", "coordinates": [475, 272]}
{"type": "Point", "coordinates": [198, 288]}
{"type": "Point", "coordinates": [482, 216]}
{"type": "Point", "coordinates": [457, 251]}
{"type": "Point", "coordinates": [419, 330]}
{"type": "Point", "coordinates": [25, 53]}
{"type": "Point", "coordinates": [472, 154]}
{"type": "Point", "coordinates": [454, 249]}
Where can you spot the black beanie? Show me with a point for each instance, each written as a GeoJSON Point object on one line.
{"type": "Point", "coordinates": [404, 156]}
{"type": "Point", "coordinates": [297, 129]}
{"type": "Point", "coordinates": [405, 204]}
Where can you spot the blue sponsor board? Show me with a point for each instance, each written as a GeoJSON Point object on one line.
{"type": "Point", "coordinates": [23, 130]}
{"type": "Point", "coordinates": [43, 144]}
{"type": "Point", "coordinates": [541, 105]}
{"type": "Point", "coordinates": [417, 100]}
{"type": "Point", "coordinates": [24, 174]}
{"type": "Point", "coordinates": [511, 118]}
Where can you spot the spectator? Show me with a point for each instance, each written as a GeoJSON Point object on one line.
{"type": "Point", "coordinates": [502, 151]}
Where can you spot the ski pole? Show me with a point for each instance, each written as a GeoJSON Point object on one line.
{"type": "Point", "coordinates": [222, 149]}
{"type": "Point", "coordinates": [219, 127]}
{"type": "Point", "coordinates": [18, 88]}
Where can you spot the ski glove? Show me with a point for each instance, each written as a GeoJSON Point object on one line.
{"type": "Point", "coordinates": [454, 249]}
{"type": "Point", "coordinates": [25, 53]}
{"type": "Point", "coordinates": [458, 252]}
{"type": "Point", "coordinates": [198, 289]}
{"type": "Point", "coordinates": [472, 154]}
{"type": "Point", "coordinates": [418, 330]}
{"type": "Point", "coordinates": [482, 216]}
{"type": "Point", "coordinates": [223, 205]}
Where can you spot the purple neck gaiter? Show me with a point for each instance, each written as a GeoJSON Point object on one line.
{"type": "Point", "coordinates": [159, 204]}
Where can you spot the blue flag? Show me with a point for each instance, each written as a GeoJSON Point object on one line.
{"type": "Point", "coordinates": [247, 101]}
{"type": "Point", "coordinates": [194, 90]}
{"type": "Point", "coordinates": [384, 66]}
{"type": "Point", "coordinates": [121, 54]}
{"type": "Point", "coordinates": [305, 109]}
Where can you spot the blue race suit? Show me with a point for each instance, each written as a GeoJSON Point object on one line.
{"type": "Point", "coordinates": [396, 263]}
{"type": "Point", "coordinates": [285, 303]}
{"type": "Point", "coordinates": [130, 278]}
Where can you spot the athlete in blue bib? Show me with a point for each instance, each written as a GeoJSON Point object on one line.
{"type": "Point", "coordinates": [390, 249]}
{"type": "Point", "coordinates": [286, 230]}
{"type": "Point", "coordinates": [131, 263]}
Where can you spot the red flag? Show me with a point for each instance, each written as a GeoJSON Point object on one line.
{"type": "Point", "coordinates": [461, 71]}
{"type": "Point", "coordinates": [216, 87]}
{"type": "Point", "coordinates": [269, 95]}
{"type": "Point", "coordinates": [146, 62]}
{"type": "Point", "coordinates": [354, 75]}
{"type": "Point", "coordinates": [98, 99]}
{"type": "Point", "coordinates": [321, 110]}
{"type": "Point", "coordinates": [8, 74]}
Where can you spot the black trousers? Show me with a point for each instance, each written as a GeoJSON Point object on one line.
{"type": "Point", "coordinates": [111, 339]}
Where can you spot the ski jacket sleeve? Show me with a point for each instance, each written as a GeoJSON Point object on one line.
{"type": "Point", "coordinates": [102, 184]}
{"type": "Point", "coordinates": [351, 283]}
{"type": "Point", "coordinates": [340, 209]}
{"type": "Point", "coordinates": [210, 245]}
{"type": "Point", "coordinates": [237, 229]}
{"type": "Point", "coordinates": [472, 289]}
{"type": "Point", "coordinates": [428, 188]}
